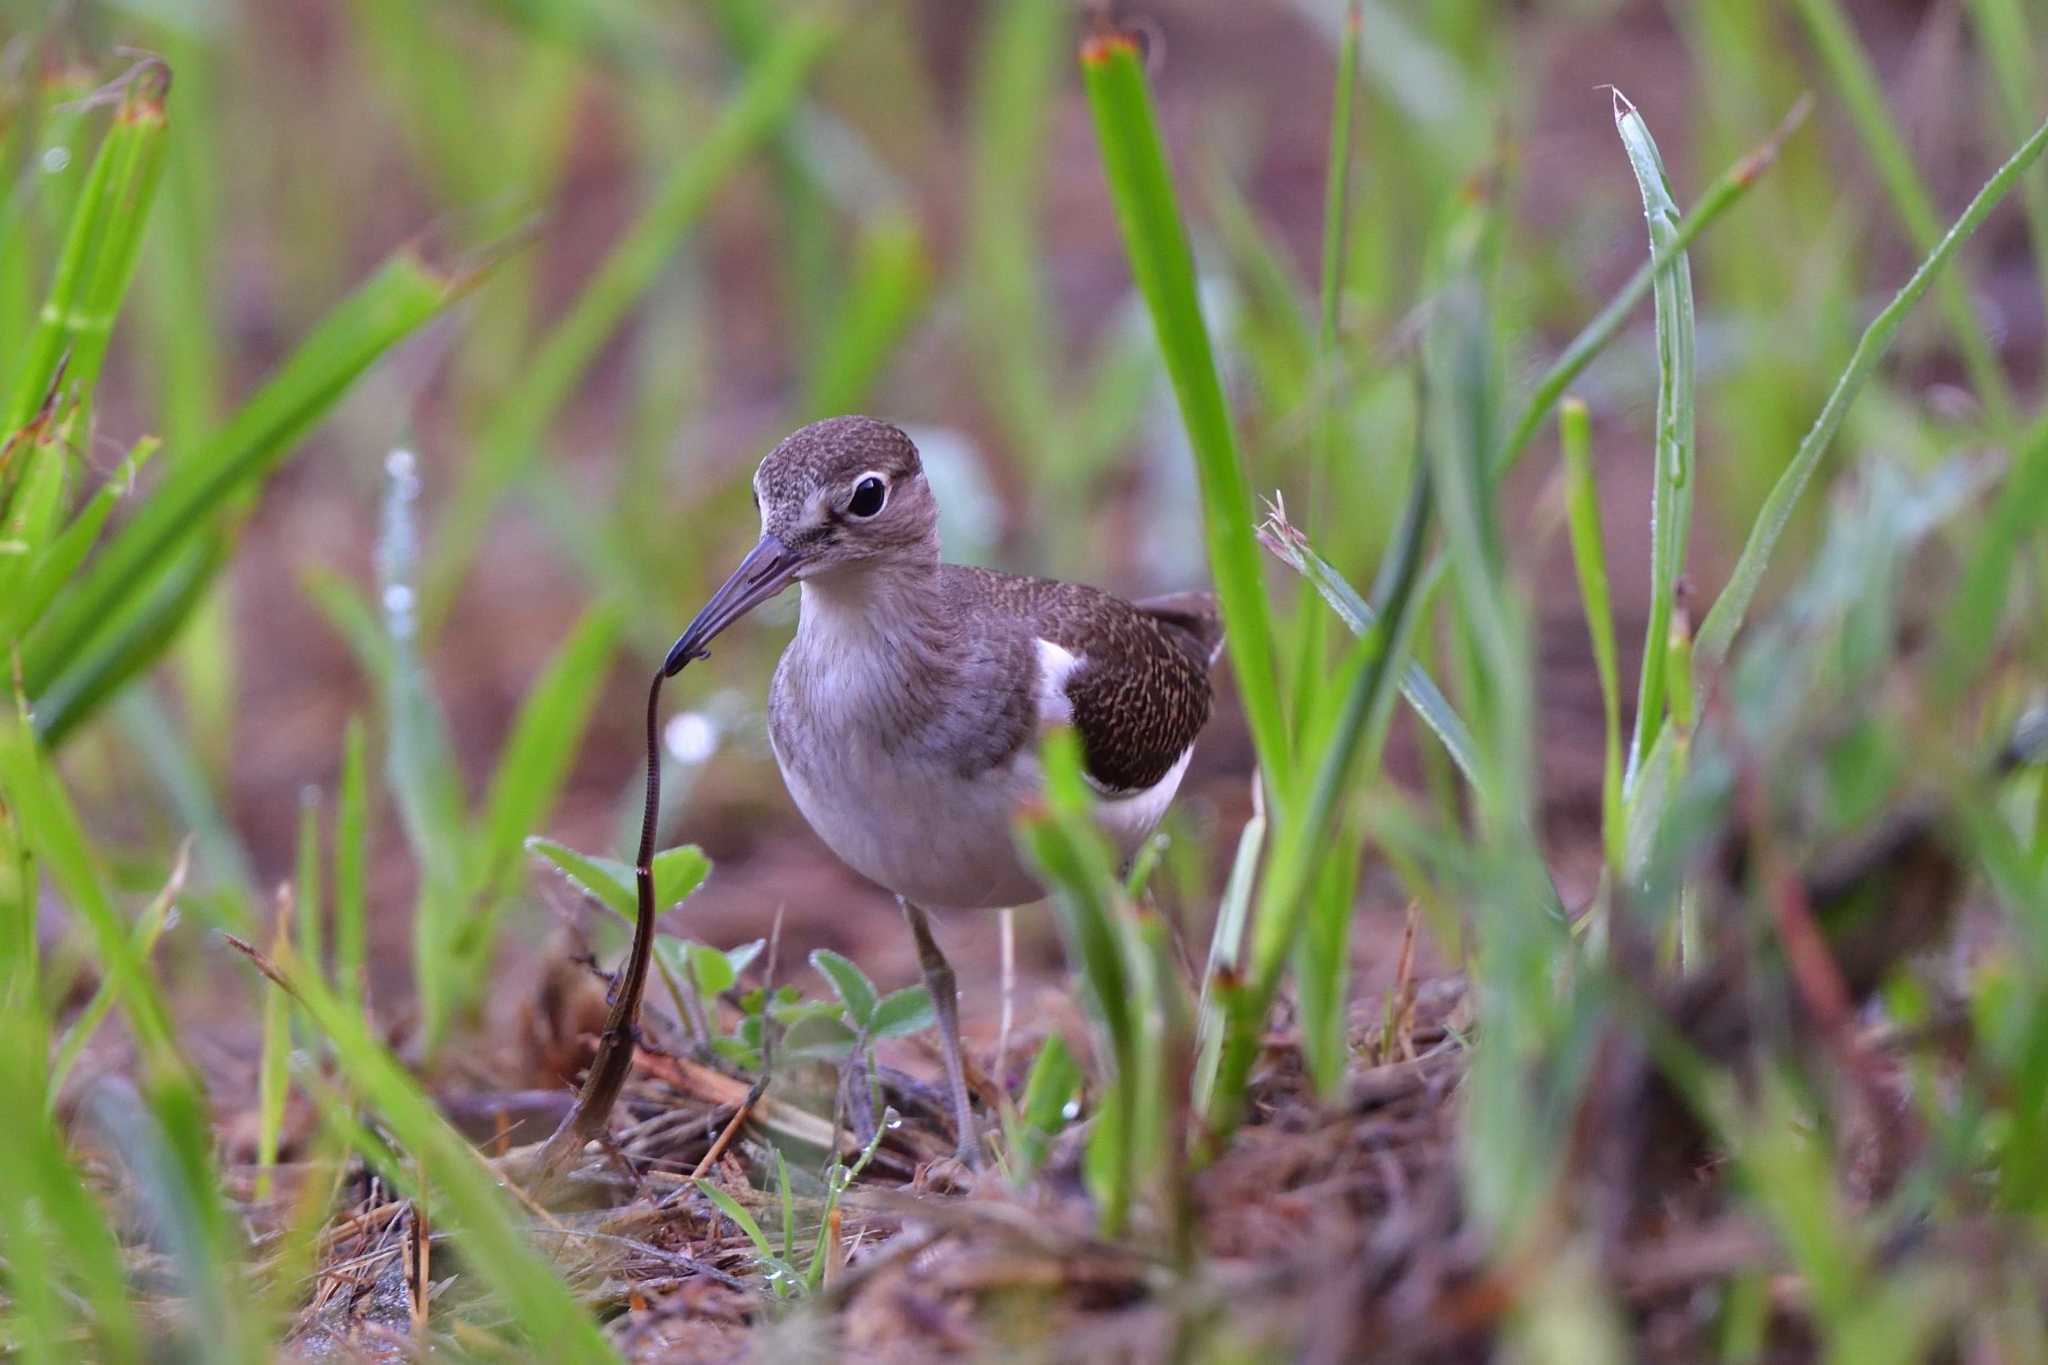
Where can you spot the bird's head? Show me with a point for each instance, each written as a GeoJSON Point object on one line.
{"type": "Point", "coordinates": [843, 496]}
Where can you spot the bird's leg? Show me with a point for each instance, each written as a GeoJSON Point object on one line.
{"type": "Point", "coordinates": [938, 979]}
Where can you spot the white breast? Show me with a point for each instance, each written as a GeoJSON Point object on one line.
{"type": "Point", "coordinates": [908, 820]}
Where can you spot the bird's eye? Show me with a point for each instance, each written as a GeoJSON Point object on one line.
{"type": "Point", "coordinates": [868, 496]}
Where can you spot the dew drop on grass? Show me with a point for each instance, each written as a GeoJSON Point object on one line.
{"type": "Point", "coordinates": [403, 470]}
{"type": "Point", "coordinates": [56, 160]}
{"type": "Point", "coordinates": [1071, 1110]}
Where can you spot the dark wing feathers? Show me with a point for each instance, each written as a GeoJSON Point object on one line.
{"type": "Point", "coordinates": [1141, 693]}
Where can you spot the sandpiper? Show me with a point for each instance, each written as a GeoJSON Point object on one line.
{"type": "Point", "coordinates": [906, 712]}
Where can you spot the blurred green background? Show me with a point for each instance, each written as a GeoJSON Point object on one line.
{"type": "Point", "coordinates": [695, 226]}
{"type": "Point", "coordinates": [455, 330]}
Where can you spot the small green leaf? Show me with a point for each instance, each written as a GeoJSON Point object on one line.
{"type": "Point", "coordinates": [603, 879]}
{"type": "Point", "coordinates": [733, 1209]}
{"type": "Point", "coordinates": [737, 1053]}
{"type": "Point", "coordinates": [849, 982]}
{"type": "Point", "coordinates": [743, 956]}
{"type": "Point", "coordinates": [677, 872]}
{"type": "Point", "coordinates": [790, 1013]}
{"type": "Point", "coordinates": [902, 1013]}
{"type": "Point", "coordinates": [1054, 1080]}
{"type": "Point", "coordinates": [711, 969]}
{"type": "Point", "coordinates": [673, 956]}
{"type": "Point", "coordinates": [817, 1038]}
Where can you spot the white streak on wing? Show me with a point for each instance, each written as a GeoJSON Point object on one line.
{"type": "Point", "coordinates": [1055, 666]}
{"type": "Point", "coordinates": [1127, 817]}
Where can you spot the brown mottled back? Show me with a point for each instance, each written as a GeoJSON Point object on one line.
{"type": "Point", "coordinates": [1141, 694]}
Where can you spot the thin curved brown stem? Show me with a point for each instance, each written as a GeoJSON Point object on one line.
{"type": "Point", "coordinates": [614, 1060]}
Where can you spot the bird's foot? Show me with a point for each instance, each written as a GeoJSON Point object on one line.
{"type": "Point", "coordinates": [956, 1174]}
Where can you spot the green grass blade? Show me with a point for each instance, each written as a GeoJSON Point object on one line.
{"type": "Point", "coordinates": [420, 765]}
{"type": "Point", "coordinates": [543, 744]}
{"type": "Point", "coordinates": [512, 441]}
{"type": "Point", "coordinates": [1856, 81]}
{"type": "Point", "coordinates": [100, 250]}
{"type": "Point", "coordinates": [1717, 632]}
{"type": "Point", "coordinates": [51, 830]}
{"type": "Point", "coordinates": [351, 859]}
{"type": "Point", "coordinates": [147, 931]}
{"type": "Point", "coordinates": [1726, 191]}
{"type": "Point", "coordinates": [50, 1221]}
{"type": "Point", "coordinates": [398, 300]}
{"type": "Point", "coordinates": [151, 728]}
{"type": "Point", "coordinates": [306, 879]}
{"type": "Point", "coordinates": [1067, 849]}
{"type": "Point", "coordinates": [140, 629]}
{"type": "Point", "coordinates": [892, 277]}
{"type": "Point", "coordinates": [28, 518]}
{"type": "Point", "coordinates": [1336, 202]}
{"type": "Point", "coordinates": [1017, 78]}
{"type": "Point", "coordinates": [1969, 627]}
{"type": "Point", "coordinates": [496, 1243]}
{"type": "Point", "coordinates": [1297, 857]}
{"type": "Point", "coordinates": [2011, 52]}
{"type": "Point", "coordinates": [744, 1221]}
{"type": "Point", "coordinates": [273, 1070]}
{"type": "Point", "coordinates": [1051, 1085]}
{"type": "Point", "coordinates": [1589, 558]}
{"type": "Point", "coordinates": [52, 570]}
{"type": "Point", "coordinates": [1359, 616]}
{"type": "Point", "coordinates": [1156, 243]}
{"type": "Point", "coordinates": [1226, 950]}
{"type": "Point", "coordinates": [1673, 483]}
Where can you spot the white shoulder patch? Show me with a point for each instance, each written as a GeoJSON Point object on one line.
{"type": "Point", "coordinates": [1055, 666]}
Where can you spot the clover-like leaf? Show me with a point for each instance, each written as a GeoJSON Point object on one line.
{"type": "Point", "coordinates": [677, 872]}
{"type": "Point", "coordinates": [902, 1013]}
{"type": "Point", "coordinates": [817, 1038]}
{"type": "Point", "coordinates": [602, 879]}
{"type": "Point", "coordinates": [850, 983]}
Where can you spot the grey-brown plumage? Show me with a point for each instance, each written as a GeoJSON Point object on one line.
{"type": "Point", "coordinates": [906, 713]}
{"type": "Point", "coordinates": [1140, 696]}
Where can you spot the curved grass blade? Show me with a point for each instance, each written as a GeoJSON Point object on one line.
{"type": "Point", "coordinates": [1717, 632]}
{"type": "Point", "coordinates": [1427, 700]}
{"type": "Point", "coordinates": [1589, 558]}
{"type": "Point", "coordinates": [495, 1241]}
{"type": "Point", "coordinates": [1672, 488]}
{"type": "Point", "coordinates": [1156, 243]}
{"type": "Point", "coordinates": [512, 441]}
{"type": "Point", "coordinates": [1295, 861]}
{"type": "Point", "coordinates": [1719, 197]}
{"type": "Point", "coordinates": [100, 250]}
{"type": "Point", "coordinates": [892, 279]}
{"type": "Point", "coordinates": [1856, 81]}
{"type": "Point", "coordinates": [397, 301]}
{"type": "Point", "coordinates": [543, 743]}
{"type": "Point", "coordinates": [2010, 51]}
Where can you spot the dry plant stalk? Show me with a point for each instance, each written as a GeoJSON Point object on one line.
{"type": "Point", "coordinates": [615, 1046]}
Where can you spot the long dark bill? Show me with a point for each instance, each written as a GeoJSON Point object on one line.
{"type": "Point", "coordinates": [767, 570]}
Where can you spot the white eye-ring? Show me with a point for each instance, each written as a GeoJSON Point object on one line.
{"type": "Point", "coordinates": [870, 491]}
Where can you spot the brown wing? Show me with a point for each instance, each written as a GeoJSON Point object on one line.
{"type": "Point", "coordinates": [1193, 615]}
{"type": "Point", "coordinates": [1141, 693]}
